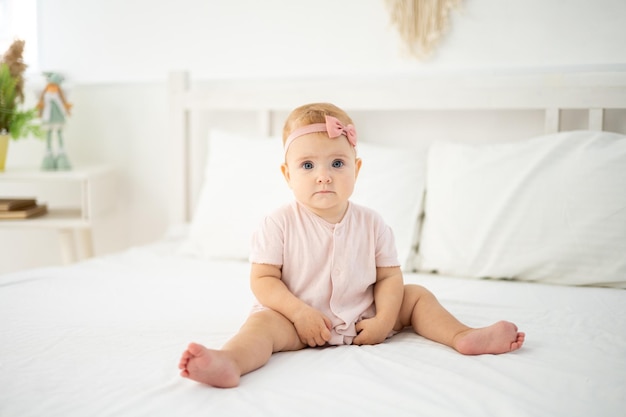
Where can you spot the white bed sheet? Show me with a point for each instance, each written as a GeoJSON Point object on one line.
{"type": "Point", "coordinates": [103, 338]}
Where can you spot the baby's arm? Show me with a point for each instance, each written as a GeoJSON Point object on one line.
{"type": "Point", "coordinates": [388, 294]}
{"type": "Point", "coordinates": [312, 326]}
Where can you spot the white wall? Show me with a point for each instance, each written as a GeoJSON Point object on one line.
{"type": "Point", "coordinates": [139, 40]}
{"type": "Point", "coordinates": [117, 53]}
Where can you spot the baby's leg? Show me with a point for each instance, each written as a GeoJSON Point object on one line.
{"type": "Point", "coordinates": [261, 335]}
{"type": "Point", "coordinates": [422, 311]}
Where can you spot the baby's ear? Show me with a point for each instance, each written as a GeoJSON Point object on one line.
{"type": "Point", "coordinates": [284, 168]}
{"type": "Point", "coordinates": [357, 166]}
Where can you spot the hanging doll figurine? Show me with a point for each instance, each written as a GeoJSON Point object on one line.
{"type": "Point", "coordinates": [53, 110]}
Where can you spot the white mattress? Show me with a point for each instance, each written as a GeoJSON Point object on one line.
{"type": "Point", "coordinates": [103, 338]}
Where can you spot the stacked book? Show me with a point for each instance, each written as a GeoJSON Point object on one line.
{"type": "Point", "coordinates": [20, 208]}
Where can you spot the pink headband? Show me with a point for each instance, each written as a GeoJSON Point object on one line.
{"type": "Point", "coordinates": [333, 126]}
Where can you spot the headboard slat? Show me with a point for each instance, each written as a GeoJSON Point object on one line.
{"type": "Point", "coordinates": [179, 212]}
{"type": "Point", "coordinates": [596, 119]}
{"type": "Point", "coordinates": [265, 122]}
{"type": "Point", "coordinates": [552, 120]}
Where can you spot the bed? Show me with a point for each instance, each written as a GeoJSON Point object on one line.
{"type": "Point", "coordinates": [526, 224]}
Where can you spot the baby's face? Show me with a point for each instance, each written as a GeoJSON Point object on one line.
{"type": "Point", "coordinates": [321, 173]}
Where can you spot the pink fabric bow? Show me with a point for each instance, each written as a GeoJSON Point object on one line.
{"type": "Point", "coordinates": [333, 127]}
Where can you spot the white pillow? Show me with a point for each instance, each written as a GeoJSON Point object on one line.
{"type": "Point", "coordinates": [549, 209]}
{"type": "Point", "coordinates": [243, 183]}
{"type": "Point", "coordinates": [391, 181]}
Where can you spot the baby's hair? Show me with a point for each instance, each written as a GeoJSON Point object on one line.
{"type": "Point", "coordinates": [313, 113]}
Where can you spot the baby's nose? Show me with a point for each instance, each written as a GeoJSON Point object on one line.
{"type": "Point", "coordinates": [323, 178]}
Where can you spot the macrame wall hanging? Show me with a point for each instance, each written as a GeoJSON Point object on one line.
{"type": "Point", "coordinates": [421, 23]}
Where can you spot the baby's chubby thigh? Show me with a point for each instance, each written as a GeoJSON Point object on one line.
{"type": "Point", "coordinates": [272, 327]}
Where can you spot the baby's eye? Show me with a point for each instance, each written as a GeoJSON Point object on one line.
{"type": "Point", "coordinates": [337, 163]}
{"type": "Point", "coordinates": [307, 165]}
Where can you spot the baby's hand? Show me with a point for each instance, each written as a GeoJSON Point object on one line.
{"type": "Point", "coordinates": [312, 326]}
{"type": "Point", "coordinates": [371, 331]}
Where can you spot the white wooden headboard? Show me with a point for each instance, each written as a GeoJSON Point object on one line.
{"type": "Point", "coordinates": [552, 94]}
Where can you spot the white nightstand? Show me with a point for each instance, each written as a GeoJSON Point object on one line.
{"type": "Point", "coordinates": [74, 198]}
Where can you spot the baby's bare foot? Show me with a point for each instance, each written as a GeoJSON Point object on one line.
{"type": "Point", "coordinates": [212, 367]}
{"type": "Point", "coordinates": [500, 337]}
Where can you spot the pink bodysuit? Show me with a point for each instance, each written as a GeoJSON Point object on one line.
{"type": "Point", "coordinates": [331, 267]}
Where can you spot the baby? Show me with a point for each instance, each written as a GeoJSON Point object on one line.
{"type": "Point", "coordinates": [325, 270]}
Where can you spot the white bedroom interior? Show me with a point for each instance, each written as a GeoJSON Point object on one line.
{"type": "Point", "coordinates": [498, 163]}
{"type": "Point", "coordinates": [116, 56]}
